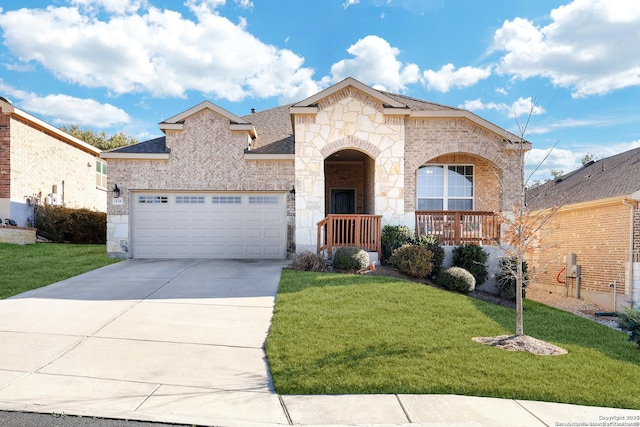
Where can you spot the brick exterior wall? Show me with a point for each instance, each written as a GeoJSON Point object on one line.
{"type": "Point", "coordinates": [39, 161]}
{"type": "Point", "coordinates": [461, 140]}
{"type": "Point", "coordinates": [206, 156]}
{"type": "Point", "coordinates": [599, 236]}
{"type": "Point", "coordinates": [5, 156]}
{"type": "Point", "coordinates": [488, 195]}
{"type": "Point", "coordinates": [345, 175]}
{"type": "Point", "coordinates": [636, 234]}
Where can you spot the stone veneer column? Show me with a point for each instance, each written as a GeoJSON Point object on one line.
{"type": "Point", "coordinates": [347, 120]}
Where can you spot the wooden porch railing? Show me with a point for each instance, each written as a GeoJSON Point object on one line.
{"type": "Point", "coordinates": [360, 231]}
{"type": "Point", "coordinates": [456, 227]}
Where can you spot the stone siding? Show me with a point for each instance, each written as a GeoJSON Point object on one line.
{"type": "Point", "coordinates": [347, 119]}
{"type": "Point", "coordinates": [599, 236]}
{"type": "Point", "coordinates": [18, 235]}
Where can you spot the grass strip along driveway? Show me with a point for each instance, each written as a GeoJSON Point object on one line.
{"type": "Point", "coordinates": [33, 266]}
{"type": "Point", "coordinates": [353, 334]}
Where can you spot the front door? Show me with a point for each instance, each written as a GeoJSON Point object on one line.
{"type": "Point", "coordinates": [343, 201]}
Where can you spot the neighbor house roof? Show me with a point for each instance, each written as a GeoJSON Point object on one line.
{"type": "Point", "coordinates": [7, 108]}
{"type": "Point", "coordinates": [612, 177]}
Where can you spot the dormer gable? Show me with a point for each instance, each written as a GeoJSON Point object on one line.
{"type": "Point", "coordinates": [236, 123]}
{"type": "Point", "coordinates": [310, 105]}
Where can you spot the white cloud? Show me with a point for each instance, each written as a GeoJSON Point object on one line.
{"type": "Point", "coordinates": [155, 51]}
{"type": "Point", "coordinates": [520, 107]}
{"type": "Point", "coordinates": [348, 3]}
{"type": "Point", "coordinates": [589, 46]}
{"type": "Point", "coordinates": [110, 6]}
{"type": "Point", "coordinates": [543, 161]}
{"type": "Point", "coordinates": [448, 77]}
{"type": "Point", "coordinates": [375, 62]}
{"type": "Point", "coordinates": [67, 109]}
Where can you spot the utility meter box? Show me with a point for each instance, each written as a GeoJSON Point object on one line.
{"type": "Point", "coordinates": [570, 265]}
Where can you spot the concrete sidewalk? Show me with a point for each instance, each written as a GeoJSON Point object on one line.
{"type": "Point", "coordinates": [181, 341]}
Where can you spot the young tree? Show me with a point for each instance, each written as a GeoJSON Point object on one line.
{"type": "Point", "coordinates": [520, 225]}
{"type": "Point", "coordinates": [99, 140]}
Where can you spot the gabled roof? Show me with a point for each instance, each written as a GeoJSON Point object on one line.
{"type": "Point", "coordinates": [176, 122]}
{"type": "Point", "coordinates": [617, 176]}
{"type": "Point", "coordinates": [7, 108]}
{"type": "Point", "coordinates": [272, 129]}
{"type": "Point", "coordinates": [350, 81]}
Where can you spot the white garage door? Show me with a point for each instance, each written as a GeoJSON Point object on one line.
{"type": "Point", "coordinates": [208, 225]}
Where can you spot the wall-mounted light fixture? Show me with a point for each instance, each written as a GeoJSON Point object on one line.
{"type": "Point", "coordinates": [116, 191]}
{"type": "Point", "coordinates": [293, 190]}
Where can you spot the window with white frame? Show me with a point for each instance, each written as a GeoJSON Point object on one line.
{"type": "Point", "coordinates": [101, 174]}
{"type": "Point", "coordinates": [445, 187]}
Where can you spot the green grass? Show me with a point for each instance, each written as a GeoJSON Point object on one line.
{"type": "Point", "coordinates": [347, 334]}
{"type": "Point", "coordinates": [33, 266]}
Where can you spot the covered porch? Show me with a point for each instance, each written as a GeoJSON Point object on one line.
{"type": "Point", "coordinates": [453, 228]}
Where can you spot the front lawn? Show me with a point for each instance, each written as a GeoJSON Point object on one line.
{"type": "Point", "coordinates": [350, 334]}
{"type": "Point", "coordinates": [32, 266]}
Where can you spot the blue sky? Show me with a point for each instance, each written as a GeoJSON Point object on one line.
{"type": "Point", "coordinates": [128, 64]}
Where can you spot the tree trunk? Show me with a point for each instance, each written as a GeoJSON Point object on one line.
{"type": "Point", "coordinates": [519, 280]}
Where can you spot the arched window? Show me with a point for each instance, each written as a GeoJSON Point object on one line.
{"type": "Point", "coordinates": [445, 187]}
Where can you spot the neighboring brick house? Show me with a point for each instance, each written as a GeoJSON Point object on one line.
{"type": "Point", "coordinates": [220, 185]}
{"type": "Point", "coordinates": [598, 220]}
{"type": "Point", "coordinates": [42, 164]}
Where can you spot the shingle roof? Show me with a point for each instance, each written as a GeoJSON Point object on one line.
{"type": "Point", "coordinates": [275, 130]}
{"type": "Point", "coordinates": [156, 145]}
{"type": "Point", "coordinates": [418, 104]}
{"type": "Point", "coordinates": [618, 175]}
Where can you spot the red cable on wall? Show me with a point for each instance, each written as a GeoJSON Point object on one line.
{"type": "Point", "coordinates": [558, 276]}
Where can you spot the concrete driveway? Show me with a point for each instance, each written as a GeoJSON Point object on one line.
{"type": "Point", "coordinates": [161, 340]}
{"type": "Point", "coordinates": [181, 341]}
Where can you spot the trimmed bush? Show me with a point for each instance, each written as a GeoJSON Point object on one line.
{"type": "Point", "coordinates": [394, 236]}
{"type": "Point", "coordinates": [506, 278]}
{"type": "Point", "coordinates": [309, 261]}
{"type": "Point", "coordinates": [456, 279]}
{"type": "Point", "coordinates": [473, 259]}
{"type": "Point", "coordinates": [414, 260]}
{"type": "Point", "coordinates": [432, 243]}
{"type": "Point", "coordinates": [64, 225]}
{"type": "Point", "coordinates": [630, 321]}
{"type": "Point", "coordinates": [347, 258]}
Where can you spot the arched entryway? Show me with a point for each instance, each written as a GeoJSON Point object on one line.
{"type": "Point", "coordinates": [350, 218]}
{"type": "Point", "coordinates": [349, 183]}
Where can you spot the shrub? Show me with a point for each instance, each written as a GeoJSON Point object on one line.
{"type": "Point", "coordinates": [414, 260]}
{"type": "Point", "coordinates": [431, 242]}
{"type": "Point", "coordinates": [473, 259]}
{"type": "Point", "coordinates": [630, 321]}
{"type": "Point", "coordinates": [347, 258]}
{"type": "Point", "coordinates": [64, 225]}
{"type": "Point", "coordinates": [309, 261]}
{"type": "Point", "coordinates": [506, 278]}
{"type": "Point", "coordinates": [456, 279]}
{"type": "Point", "coordinates": [394, 236]}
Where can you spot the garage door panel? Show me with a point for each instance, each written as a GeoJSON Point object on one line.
{"type": "Point", "coordinates": [209, 225]}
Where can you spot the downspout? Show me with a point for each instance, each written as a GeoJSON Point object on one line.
{"type": "Point", "coordinates": [632, 206]}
